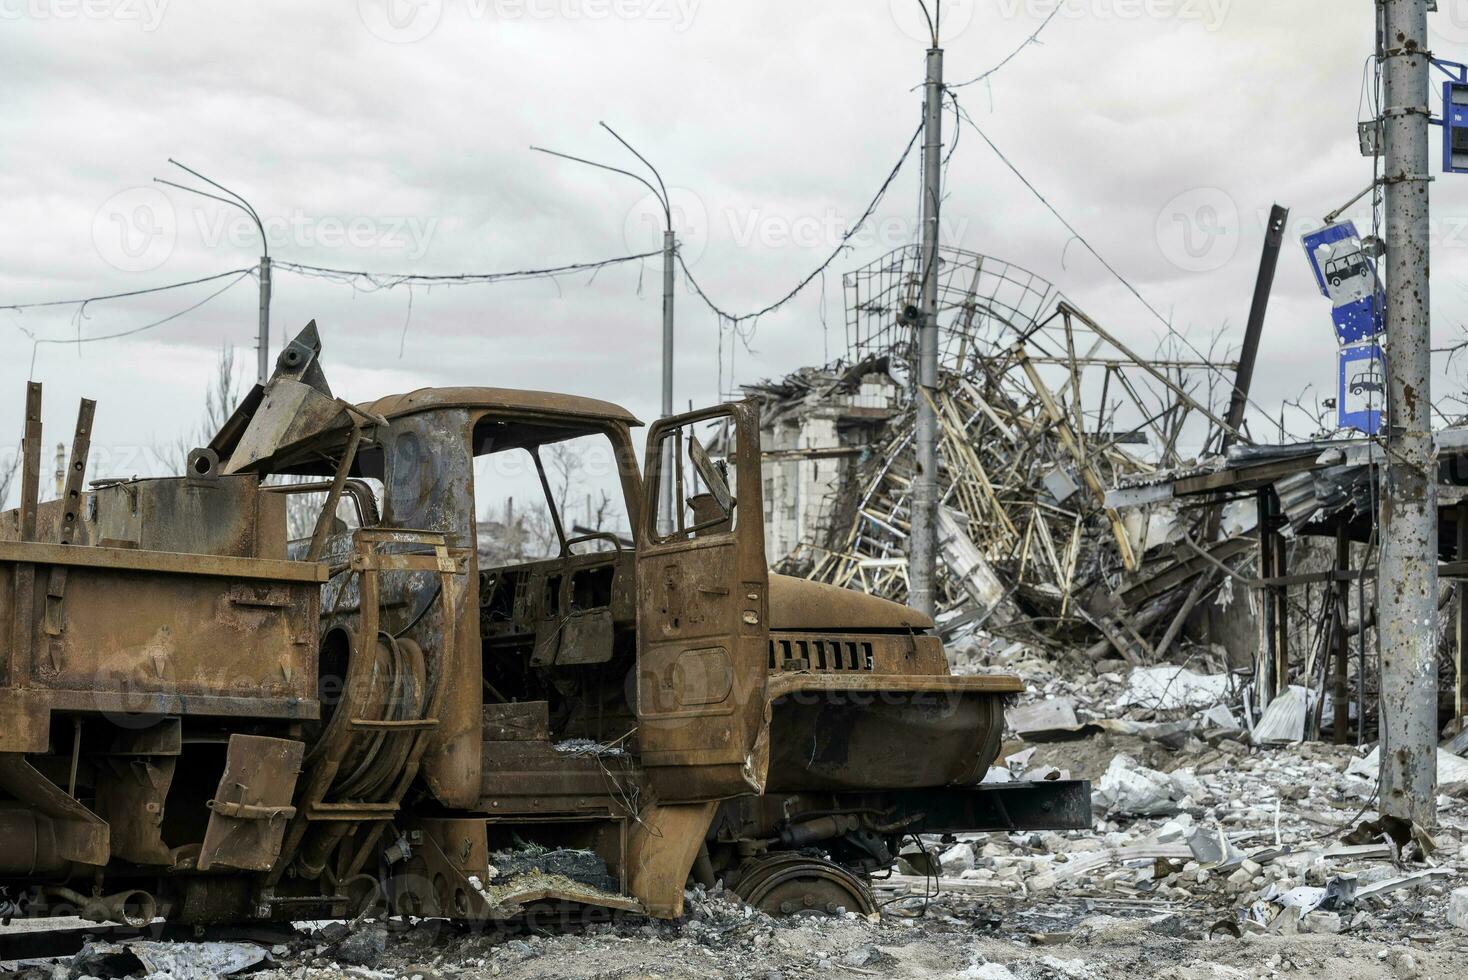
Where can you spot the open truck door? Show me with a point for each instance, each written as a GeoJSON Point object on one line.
{"type": "Point", "coordinates": [703, 606]}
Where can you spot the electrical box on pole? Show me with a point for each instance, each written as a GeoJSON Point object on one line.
{"type": "Point", "coordinates": [1455, 127]}
{"type": "Point", "coordinates": [1454, 121]}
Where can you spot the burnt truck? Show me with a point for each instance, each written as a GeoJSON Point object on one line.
{"type": "Point", "coordinates": [208, 722]}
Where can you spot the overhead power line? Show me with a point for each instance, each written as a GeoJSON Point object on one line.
{"type": "Point", "coordinates": [78, 340]}
{"type": "Point", "coordinates": [129, 293]}
{"type": "Point", "coordinates": [1166, 324]}
{"type": "Point", "coordinates": [736, 318]}
{"type": "Point", "coordinates": [383, 280]}
{"type": "Point", "coordinates": [1032, 39]}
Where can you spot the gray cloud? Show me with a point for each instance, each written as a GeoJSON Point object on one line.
{"type": "Point", "coordinates": [776, 121]}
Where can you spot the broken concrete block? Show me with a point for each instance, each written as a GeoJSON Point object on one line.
{"type": "Point", "coordinates": [362, 948]}
{"type": "Point", "coordinates": [1458, 908]}
{"type": "Point", "coordinates": [1322, 923]}
{"type": "Point", "coordinates": [1175, 830]}
{"type": "Point", "coordinates": [956, 860]}
{"type": "Point", "coordinates": [1220, 717]}
{"type": "Point", "coordinates": [1167, 687]}
{"type": "Point", "coordinates": [1131, 789]}
{"type": "Point", "coordinates": [1211, 848]}
{"type": "Point", "coordinates": [1055, 714]}
{"type": "Point", "coordinates": [989, 971]}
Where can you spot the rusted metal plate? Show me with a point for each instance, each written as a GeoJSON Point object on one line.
{"type": "Point", "coordinates": [162, 562]}
{"type": "Point", "coordinates": [251, 807]}
{"type": "Point", "coordinates": [137, 634]}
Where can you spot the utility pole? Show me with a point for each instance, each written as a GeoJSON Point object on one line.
{"type": "Point", "coordinates": [666, 504]}
{"type": "Point", "coordinates": [262, 343]}
{"type": "Point", "coordinates": [922, 551]}
{"type": "Point", "coordinates": [1407, 580]}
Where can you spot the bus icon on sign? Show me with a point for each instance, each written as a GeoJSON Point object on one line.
{"type": "Point", "coordinates": [1341, 270]}
{"type": "Point", "coordinates": [1370, 379]}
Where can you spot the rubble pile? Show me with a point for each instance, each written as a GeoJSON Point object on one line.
{"type": "Point", "coordinates": [1199, 824]}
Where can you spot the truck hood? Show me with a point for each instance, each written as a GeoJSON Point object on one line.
{"type": "Point", "coordinates": [798, 604]}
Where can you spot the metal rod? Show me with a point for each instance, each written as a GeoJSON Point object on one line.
{"type": "Point", "coordinates": [30, 471]}
{"type": "Point", "coordinates": [1407, 585]}
{"type": "Point", "coordinates": [1263, 284]}
{"type": "Point", "coordinates": [922, 561]}
{"type": "Point", "coordinates": [1340, 696]}
{"type": "Point", "coordinates": [1264, 683]}
{"type": "Point", "coordinates": [324, 520]}
{"type": "Point", "coordinates": [1460, 661]}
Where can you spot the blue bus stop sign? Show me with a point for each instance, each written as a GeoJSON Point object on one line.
{"type": "Point", "coordinates": [1346, 275]}
{"type": "Point", "coordinates": [1361, 394]}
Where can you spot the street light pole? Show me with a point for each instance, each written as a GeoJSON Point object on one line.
{"type": "Point", "coordinates": [666, 503]}
{"type": "Point", "coordinates": [922, 551]}
{"type": "Point", "coordinates": [1407, 582]}
{"type": "Point", "coordinates": [262, 344]}
{"type": "Point", "coordinates": [670, 248]}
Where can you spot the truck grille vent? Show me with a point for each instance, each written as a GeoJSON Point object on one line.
{"type": "Point", "coordinates": [821, 654]}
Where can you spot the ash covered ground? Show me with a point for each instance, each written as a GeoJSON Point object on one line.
{"type": "Point", "coordinates": [1210, 857]}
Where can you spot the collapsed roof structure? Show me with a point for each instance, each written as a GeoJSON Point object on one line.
{"type": "Point", "coordinates": [1041, 410]}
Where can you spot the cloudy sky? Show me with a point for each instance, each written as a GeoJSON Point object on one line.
{"type": "Point", "coordinates": [393, 136]}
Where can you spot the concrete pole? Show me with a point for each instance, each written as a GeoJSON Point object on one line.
{"type": "Point", "coordinates": [922, 551]}
{"type": "Point", "coordinates": [1407, 582]}
{"type": "Point", "coordinates": [666, 490]}
{"type": "Point", "coordinates": [263, 344]}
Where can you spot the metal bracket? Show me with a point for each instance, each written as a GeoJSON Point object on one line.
{"type": "Point", "coordinates": [1454, 70]}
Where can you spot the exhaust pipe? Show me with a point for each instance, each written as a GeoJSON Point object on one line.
{"type": "Point", "coordinates": [133, 907]}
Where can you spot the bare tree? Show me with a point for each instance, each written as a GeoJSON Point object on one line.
{"type": "Point", "coordinates": [9, 466]}
{"type": "Point", "coordinates": [220, 397]}
{"type": "Point", "coordinates": [519, 531]}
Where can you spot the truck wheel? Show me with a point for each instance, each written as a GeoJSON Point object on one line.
{"type": "Point", "coordinates": [787, 884]}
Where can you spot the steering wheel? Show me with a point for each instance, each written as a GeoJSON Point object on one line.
{"type": "Point", "coordinates": [595, 536]}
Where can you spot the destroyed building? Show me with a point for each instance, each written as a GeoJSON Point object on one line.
{"type": "Point", "coordinates": [1089, 502]}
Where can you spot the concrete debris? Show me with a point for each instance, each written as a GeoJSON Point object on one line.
{"type": "Point", "coordinates": [1458, 908]}
{"type": "Point", "coordinates": [1130, 789]}
{"type": "Point", "coordinates": [1220, 718]}
{"type": "Point", "coordinates": [1452, 770]}
{"type": "Point", "coordinates": [1284, 719]}
{"type": "Point", "coordinates": [1167, 687]}
{"type": "Point", "coordinates": [179, 960]}
{"type": "Point", "coordinates": [1046, 717]}
{"type": "Point", "coordinates": [956, 860]}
